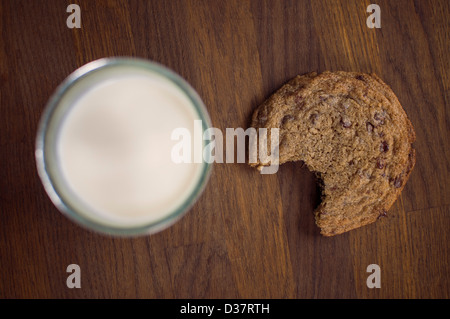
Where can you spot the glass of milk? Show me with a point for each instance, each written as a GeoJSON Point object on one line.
{"type": "Point", "coordinates": [104, 145]}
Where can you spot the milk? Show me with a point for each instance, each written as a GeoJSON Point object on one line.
{"type": "Point", "coordinates": [114, 149]}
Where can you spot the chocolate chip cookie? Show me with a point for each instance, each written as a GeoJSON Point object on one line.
{"type": "Point", "coordinates": [350, 129]}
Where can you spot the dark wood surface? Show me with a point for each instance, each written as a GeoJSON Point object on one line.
{"type": "Point", "coordinates": [249, 236]}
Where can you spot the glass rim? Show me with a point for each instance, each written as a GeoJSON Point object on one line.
{"type": "Point", "coordinates": [48, 179]}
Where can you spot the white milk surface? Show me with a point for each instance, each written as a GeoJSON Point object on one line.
{"type": "Point", "coordinates": [114, 149]}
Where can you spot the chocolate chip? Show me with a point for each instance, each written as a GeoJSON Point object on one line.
{"type": "Point", "coordinates": [369, 127]}
{"type": "Point", "coordinates": [383, 213]}
{"type": "Point", "coordinates": [286, 118]}
{"type": "Point", "coordinates": [380, 163]}
{"type": "Point", "coordinates": [384, 147]}
{"type": "Point", "coordinates": [360, 77]}
{"type": "Point", "coordinates": [313, 118]}
{"type": "Point", "coordinates": [366, 92]}
{"type": "Point", "coordinates": [351, 163]}
{"type": "Point", "coordinates": [380, 117]}
{"type": "Point", "coordinates": [325, 97]}
{"type": "Point", "coordinates": [346, 104]}
{"type": "Point", "coordinates": [398, 182]}
{"type": "Point", "coordinates": [323, 213]}
{"type": "Point", "coordinates": [346, 122]}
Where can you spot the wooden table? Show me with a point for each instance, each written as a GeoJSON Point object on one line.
{"type": "Point", "coordinates": [249, 235]}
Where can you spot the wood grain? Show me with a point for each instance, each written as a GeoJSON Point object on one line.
{"type": "Point", "coordinates": [249, 235]}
